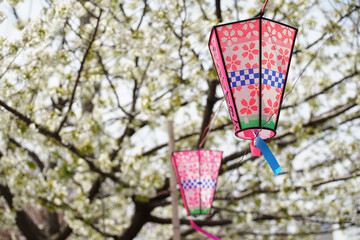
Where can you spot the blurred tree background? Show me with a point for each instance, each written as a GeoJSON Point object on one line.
{"type": "Point", "coordinates": [87, 87]}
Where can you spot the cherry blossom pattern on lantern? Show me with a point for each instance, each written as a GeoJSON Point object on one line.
{"type": "Point", "coordinates": [248, 65]}
{"type": "Point", "coordinates": [229, 37]}
{"type": "Point", "coordinates": [287, 35]}
{"type": "Point", "coordinates": [283, 56]}
{"type": "Point", "coordinates": [255, 90]}
{"type": "Point", "coordinates": [273, 46]}
{"type": "Point", "coordinates": [235, 89]}
{"type": "Point", "coordinates": [214, 171]}
{"type": "Point", "coordinates": [206, 201]}
{"type": "Point", "coordinates": [193, 168]}
{"type": "Point", "coordinates": [232, 62]}
{"type": "Point", "coordinates": [263, 87]}
{"type": "Point", "coordinates": [279, 93]}
{"type": "Point", "coordinates": [193, 201]}
{"type": "Point", "coordinates": [250, 51]}
{"type": "Point", "coordinates": [272, 108]}
{"type": "Point", "coordinates": [248, 107]}
{"type": "Point", "coordinates": [268, 60]}
{"type": "Point", "coordinates": [271, 32]}
{"type": "Point", "coordinates": [250, 28]}
{"type": "Point", "coordinates": [183, 174]}
{"type": "Point", "coordinates": [204, 172]}
{"type": "Point", "coordinates": [282, 70]}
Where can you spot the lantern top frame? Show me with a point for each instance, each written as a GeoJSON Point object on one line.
{"type": "Point", "coordinates": [251, 132]}
{"type": "Point", "coordinates": [250, 19]}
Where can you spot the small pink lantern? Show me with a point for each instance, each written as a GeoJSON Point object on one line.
{"type": "Point", "coordinates": [197, 172]}
{"type": "Point", "coordinates": [241, 51]}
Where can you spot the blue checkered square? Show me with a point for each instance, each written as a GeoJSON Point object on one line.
{"type": "Point", "coordinates": [244, 77]}
{"type": "Point", "coordinates": [190, 184]}
{"type": "Point", "coordinates": [208, 184]}
{"type": "Point", "coordinates": [193, 184]}
{"type": "Point", "coordinates": [273, 78]}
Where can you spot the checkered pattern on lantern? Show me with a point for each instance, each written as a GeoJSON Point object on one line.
{"type": "Point", "coordinates": [208, 183]}
{"type": "Point", "coordinates": [273, 78]}
{"type": "Point", "coordinates": [190, 184]}
{"type": "Point", "coordinates": [244, 77]}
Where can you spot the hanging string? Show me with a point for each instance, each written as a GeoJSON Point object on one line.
{"type": "Point", "coordinates": [263, 9]}
{"type": "Point", "coordinates": [232, 171]}
{"type": "Point", "coordinates": [207, 129]}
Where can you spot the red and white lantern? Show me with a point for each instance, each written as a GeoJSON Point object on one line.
{"type": "Point", "coordinates": [197, 172]}
{"type": "Point", "coordinates": [252, 59]}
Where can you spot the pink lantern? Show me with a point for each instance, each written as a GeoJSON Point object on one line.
{"type": "Point", "coordinates": [197, 172]}
{"type": "Point", "coordinates": [241, 51]}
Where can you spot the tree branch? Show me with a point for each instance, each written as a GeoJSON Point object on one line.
{"type": "Point", "coordinates": [107, 75]}
{"type": "Point", "coordinates": [142, 15]}
{"type": "Point", "coordinates": [67, 231]}
{"type": "Point", "coordinates": [64, 234]}
{"type": "Point", "coordinates": [331, 180]}
{"type": "Point", "coordinates": [330, 114]}
{"type": "Point", "coordinates": [44, 131]}
{"type": "Point", "coordinates": [206, 222]}
{"type": "Point", "coordinates": [324, 90]}
{"type": "Point", "coordinates": [210, 102]}
{"type": "Point", "coordinates": [139, 219]}
{"type": "Point", "coordinates": [307, 233]}
{"type": "Point", "coordinates": [79, 74]}
{"type": "Point", "coordinates": [351, 10]}
{"type": "Point", "coordinates": [32, 154]}
{"type": "Point", "coordinates": [27, 227]}
{"type": "Point", "coordinates": [248, 193]}
{"type": "Point", "coordinates": [315, 184]}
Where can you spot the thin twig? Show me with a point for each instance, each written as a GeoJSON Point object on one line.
{"type": "Point", "coordinates": [79, 74]}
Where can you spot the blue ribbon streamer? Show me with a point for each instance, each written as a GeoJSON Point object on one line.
{"type": "Point", "coordinates": [268, 155]}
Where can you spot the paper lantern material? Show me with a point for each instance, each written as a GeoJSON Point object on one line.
{"type": "Point", "coordinates": [241, 51]}
{"type": "Point", "coordinates": [197, 172]}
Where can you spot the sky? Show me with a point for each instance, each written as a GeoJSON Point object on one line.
{"type": "Point", "coordinates": [26, 10]}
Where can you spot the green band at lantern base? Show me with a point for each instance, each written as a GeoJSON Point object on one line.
{"type": "Point", "coordinates": [199, 211]}
{"type": "Point", "coordinates": [252, 121]}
